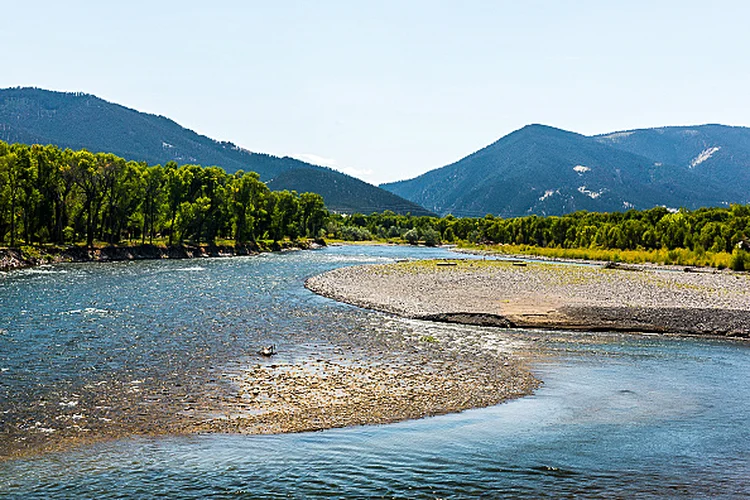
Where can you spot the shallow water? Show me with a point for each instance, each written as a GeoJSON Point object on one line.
{"type": "Point", "coordinates": [617, 416]}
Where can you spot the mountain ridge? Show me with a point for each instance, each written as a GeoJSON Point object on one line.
{"type": "Point", "coordinates": [80, 120]}
{"type": "Point", "coordinates": [545, 170]}
{"type": "Point", "coordinates": [719, 151]}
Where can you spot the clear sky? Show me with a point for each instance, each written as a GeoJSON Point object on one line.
{"type": "Point", "coordinates": [387, 90]}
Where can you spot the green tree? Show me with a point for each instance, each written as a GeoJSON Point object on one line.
{"type": "Point", "coordinates": [248, 195]}
{"type": "Point", "coordinates": [412, 236]}
{"type": "Point", "coordinates": [431, 237]}
{"type": "Point", "coordinates": [284, 221]}
{"type": "Point", "coordinates": [153, 182]}
{"type": "Point", "coordinates": [312, 212]}
{"type": "Point", "coordinates": [177, 181]}
{"type": "Point", "coordinates": [87, 174]}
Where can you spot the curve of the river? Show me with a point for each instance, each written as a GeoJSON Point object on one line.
{"type": "Point", "coordinates": [618, 415]}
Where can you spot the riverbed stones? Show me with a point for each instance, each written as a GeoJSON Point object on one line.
{"type": "Point", "coordinates": [319, 395]}
{"type": "Point", "coordinates": [545, 295]}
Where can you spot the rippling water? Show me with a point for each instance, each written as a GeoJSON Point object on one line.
{"type": "Point", "coordinates": [618, 415]}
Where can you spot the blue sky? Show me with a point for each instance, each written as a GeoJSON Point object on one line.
{"type": "Point", "coordinates": [387, 90]}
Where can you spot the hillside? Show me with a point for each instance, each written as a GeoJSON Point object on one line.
{"type": "Point", "coordinates": [78, 120]}
{"type": "Point", "coordinates": [547, 171]}
{"type": "Point", "coordinates": [718, 152]}
{"type": "Point", "coordinates": [362, 197]}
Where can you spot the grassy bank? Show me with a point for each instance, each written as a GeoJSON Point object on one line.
{"type": "Point", "coordinates": [738, 260]}
{"type": "Point", "coordinates": [683, 257]}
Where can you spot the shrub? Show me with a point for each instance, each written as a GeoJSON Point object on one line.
{"type": "Point", "coordinates": [412, 236]}
{"type": "Point", "coordinates": [353, 233]}
{"type": "Point", "coordinates": [69, 234]}
{"type": "Point", "coordinates": [30, 252]}
{"type": "Point", "coordinates": [431, 237]}
{"type": "Point", "coordinates": [740, 260]}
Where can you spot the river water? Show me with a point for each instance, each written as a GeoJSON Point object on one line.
{"type": "Point", "coordinates": [618, 415]}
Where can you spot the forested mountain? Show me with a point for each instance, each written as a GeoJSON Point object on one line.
{"type": "Point", "coordinates": [717, 152]}
{"type": "Point", "coordinates": [77, 120]}
{"type": "Point", "coordinates": [547, 171]}
{"type": "Point", "coordinates": [362, 199]}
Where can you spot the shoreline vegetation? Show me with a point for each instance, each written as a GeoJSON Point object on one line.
{"type": "Point", "coordinates": [35, 255]}
{"type": "Point", "coordinates": [54, 196]}
{"type": "Point", "coordinates": [537, 295]}
{"type": "Point", "coordinates": [51, 196]}
{"type": "Point", "coordinates": [661, 256]}
{"type": "Point", "coordinates": [706, 237]}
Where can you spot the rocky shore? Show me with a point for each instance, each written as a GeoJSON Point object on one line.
{"type": "Point", "coordinates": [18, 258]}
{"type": "Point", "coordinates": [380, 377]}
{"type": "Point", "coordinates": [322, 394]}
{"type": "Point", "coordinates": [547, 295]}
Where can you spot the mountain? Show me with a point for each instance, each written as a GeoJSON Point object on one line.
{"type": "Point", "coordinates": [717, 152]}
{"type": "Point", "coordinates": [78, 120]}
{"type": "Point", "coordinates": [548, 171]}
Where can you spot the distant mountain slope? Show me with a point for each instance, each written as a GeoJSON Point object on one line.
{"type": "Point", "coordinates": [547, 171]}
{"type": "Point", "coordinates": [363, 198]}
{"type": "Point", "coordinates": [718, 152]}
{"type": "Point", "coordinates": [77, 120]}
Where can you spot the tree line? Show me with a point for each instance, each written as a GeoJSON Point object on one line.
{"type": "Point", "coordinates": [54, 195]}
{"type": "Point", "coordinates": [705, 229]}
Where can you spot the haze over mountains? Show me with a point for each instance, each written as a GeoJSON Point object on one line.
{"type": "Point", "coordinates": [77, 120]}
{"type": "Point", "coordinates": [547, 171]}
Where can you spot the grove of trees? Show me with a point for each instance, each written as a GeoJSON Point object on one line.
{"type": "Point", "coordinates": [51, 195]}
{"type": "Point", "coordinates": [705, 229]}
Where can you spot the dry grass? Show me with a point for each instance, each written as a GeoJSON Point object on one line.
{"type": "Point", "coordinates": [679, 256]}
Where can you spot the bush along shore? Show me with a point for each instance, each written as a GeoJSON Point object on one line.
{"type": "Point", "coordinates": [30, 256]}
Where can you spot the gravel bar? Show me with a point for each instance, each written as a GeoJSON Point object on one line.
{"type": "Point", "coordinates": [547, 295]}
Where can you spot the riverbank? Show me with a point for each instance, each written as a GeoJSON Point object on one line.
{"type": "Point", "coordinates": [549, 296]}
{"type": "Point", "coordinates": [28, 256]}
{"type": "Point", "coordinates": [737, 260]}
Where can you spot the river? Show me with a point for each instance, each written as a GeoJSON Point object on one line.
{"type": "Point", "coordinates": [618, 415]}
